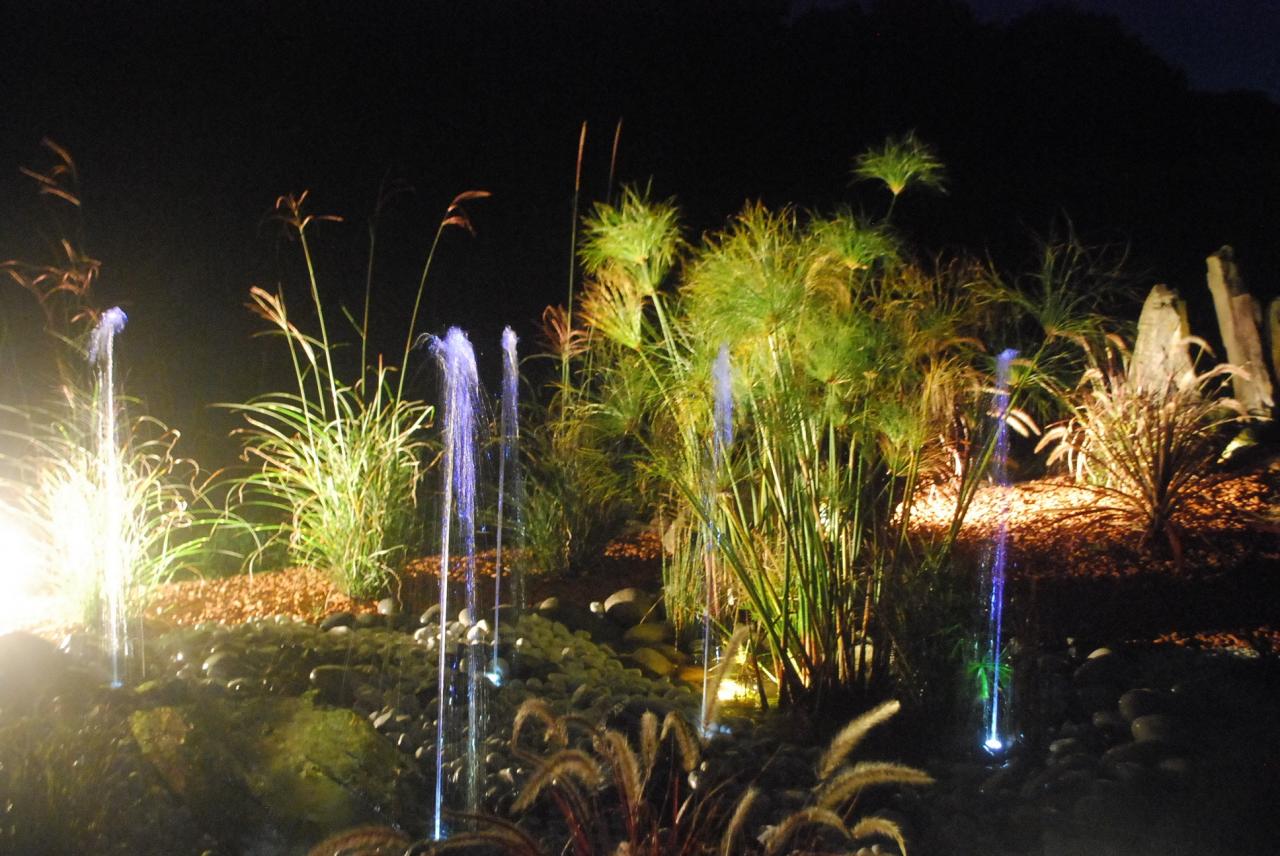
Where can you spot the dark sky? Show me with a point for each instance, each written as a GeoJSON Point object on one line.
{"type": "Point", "coordinates": [1221, 44]}
{"type": "Point", "coordinates": [188, 119]}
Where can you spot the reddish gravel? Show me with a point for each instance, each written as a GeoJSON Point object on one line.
{"type": "Point", "coordinates": [308, 594]}
{"type": "Point", "coordinates": [1068, 569]}
{"type": "Point", "coordinates": [1055, 530]}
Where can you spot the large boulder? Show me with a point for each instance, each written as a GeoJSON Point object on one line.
{"type": "Point", "coordinates": [1160, 356]}
{"type": "Point", "coordinates": [275, 773]}
{"type": "Point", "coordinates": [629, 606]}
{"type": "Point", "coordinates": [31, 669]}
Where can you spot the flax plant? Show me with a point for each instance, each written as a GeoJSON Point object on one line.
{"type": "Point", "coordinates": [1145, 452]}
{"type": "Point", "coordinates": [339, 461]}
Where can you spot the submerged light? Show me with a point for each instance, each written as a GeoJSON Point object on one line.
{"type": "Point", "coordinates": [731, 690]}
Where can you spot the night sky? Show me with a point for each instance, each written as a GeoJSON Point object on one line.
{"type": "Point", "coordinates": [187, 120]}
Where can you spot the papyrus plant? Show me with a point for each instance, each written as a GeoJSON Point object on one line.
{"type": "Point", "coordinates": [851, 366]}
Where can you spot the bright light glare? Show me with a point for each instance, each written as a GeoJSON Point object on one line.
{"type": "Point", "coordinates": [993, 744]}
{"type": "Point", "coordinates": [19, 604]}
{"type": "Point", "coordinates": [731, 690]}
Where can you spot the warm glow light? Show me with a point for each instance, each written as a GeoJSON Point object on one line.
{"type": "Point", "coordinates": [731, 690]}
{"type": "Point", "coordinates": [20, 606]}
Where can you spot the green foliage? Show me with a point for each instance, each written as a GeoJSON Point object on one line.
{"type": "Point", "coordinates": [343, 473]}
{"type": "Point", "coordinates": [852, 368]}
{"type": "Point", "coordinates": [1146, 452]}
{"type": "Point", "coordinates": [861, 373]}
{"type": "Point", "coordinates": [575, 501]}
{"type": "Point", "coordinates": [637, 236]}
{"type": "Point", "coordinates": [582, 482]}
{"type": "Point", "coordinates": [1070, 296]}
{"type": "Point", "coordinates": [900, 163]}
{"type": "Point", "coordinates": [982, 675]}
{"type": "Point", "coordinates": [340, 461]}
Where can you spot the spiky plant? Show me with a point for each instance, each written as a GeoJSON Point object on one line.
{"type": "Point", "coordinates": [584, 760]}
{"type": "Point", "coordinates": [1145, 452]}
{"type": "Point", "coordinates": [1071, 295]}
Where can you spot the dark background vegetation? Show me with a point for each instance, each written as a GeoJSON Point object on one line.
{"type": "Point", "coordinates": [187, 120]}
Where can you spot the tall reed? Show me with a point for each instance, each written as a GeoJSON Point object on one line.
{"type": "Point", "coordinates": [339, 461]}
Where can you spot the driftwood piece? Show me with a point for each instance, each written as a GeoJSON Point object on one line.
{"type": "Point", "coordinates": [1240, 321]}
{"type": "Point", "coordinates": [1273, 335]}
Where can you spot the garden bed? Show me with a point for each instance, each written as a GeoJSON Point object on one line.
{"type": "Point", "coordinates": [1071, 573]}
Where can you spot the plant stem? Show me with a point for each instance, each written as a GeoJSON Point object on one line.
{"type": "Point", "coordinates": [573, 249]}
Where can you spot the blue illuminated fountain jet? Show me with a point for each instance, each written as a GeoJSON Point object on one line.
{"type": "Point", "coordinates": [994, 742]}
{"type": "Point", "coordinates": [722, 437]}
{"type": "Point", "coordinates": [508, 463]}
{"type": "Point", "coordinates": [459, 400]}
{"type": "Point", "coordinates": [115, 574]}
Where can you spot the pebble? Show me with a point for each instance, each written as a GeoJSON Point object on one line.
{"type": "Point", "coordinates": [1161, 727]}
{"type": "Point", "coordinates": [390, 676]}
{"type": "Point", "coordinates": [1140, 702]}
{"type": "Point", "coordinates": [337, 619]}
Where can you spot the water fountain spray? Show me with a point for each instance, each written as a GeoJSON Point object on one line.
{"type": "Point", "coordinates": [721, 438]}
{"type": "Point", "coordinates": [458, 500]}
{"type": "Point", "coordinates": [115, 574]}
{"type": "Point", "coordinates": [508, 461]}
{"type": "Point", "coordinates": [995, 615]}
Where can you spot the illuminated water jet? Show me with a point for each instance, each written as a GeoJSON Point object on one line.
{"type": "Point", "coordinates": [458, 501]}
{"type": "Point", "coordinates": [721, 438]}
{"type": "Point", "coordinates": [994, 742]}
{"type": "Point", "coordinates": [115, 574]}
{"type": "Point", "coordinates": [508, 463]}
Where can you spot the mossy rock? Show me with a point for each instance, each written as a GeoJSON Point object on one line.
{"type": "Point", "coordinates": [275, 771]}
{"type": "Point", "coordinates": [649, 633]}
